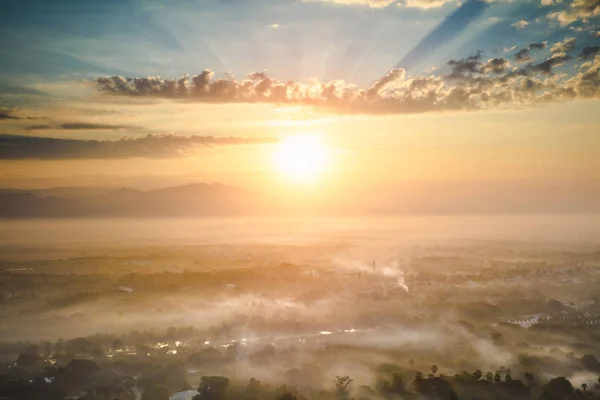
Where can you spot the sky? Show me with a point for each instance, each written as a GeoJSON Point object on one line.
{"type": "Point", "coordinates": [155, 93]}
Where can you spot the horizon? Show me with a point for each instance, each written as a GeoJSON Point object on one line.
{"type": "Point", "coordinates": [325, 93]}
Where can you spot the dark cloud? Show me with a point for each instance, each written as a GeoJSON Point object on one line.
{"type": "Point", "coordinates": [5, 113]}
{"type": "Point", "coordinates": [546, 66]}
{"type": "Point", "coordinates": [37, 127]}
{"type": "Point", "coordinates": [89, 125]}
{"type": "Point", "coordinates": [496, 65]}
{"type": "Point", "coordinates": [523, 55]}
{"type": "Point", "coordinates": [470, 65]}
{"type": "Point", "coordinates": [538, 46]}
{"type": "Point", "coordinates": [589, 51]}
{"type": "Point", "coordinates": [79, 126]}
{"type": "Point", "coordinates": [14, 147]}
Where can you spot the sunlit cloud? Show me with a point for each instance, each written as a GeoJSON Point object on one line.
{"type": "Point", "coordinates": [472, 83]}
{"type": "Point", "coordinates": [520, 24]}
{"type": "Point", "coordinates": [578, 10]}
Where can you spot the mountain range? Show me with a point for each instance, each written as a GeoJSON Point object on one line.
{"type": "Point", "coordinates": [188, 200]}
{"type": "Point", "coordinates": [214, 200]}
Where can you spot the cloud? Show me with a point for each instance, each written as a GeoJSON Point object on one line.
{"type": "Point", "coordinates": [555, 60]}
{"type": "Point", "coordinates": [471, 83]}
{"type": "Point", "coordinates": [470, 65]}
{"type": "Point", "coordinates": [589, 51]}
{"type": "Point", "coordinates": [6, 113]}
{"type": "Point", "coordinates": [520, 24]}
{"type": "Point", "coordinates": [496, 65]}
{"type": "Point", "coordinates": [563, 47]}
{"type": "Point", "coordinates": [425, 4]}
{"type": "Point", "coordinates": [395, 74]}
{"type": "Point", "coordinates": [38, 127]}
{"type": "Point", "coordinates": [13, 147]}
{"type": "Point", "coordinates": [523, 55]}
{"type": "Point", "coordinates": [78, 126]}
{"type": "Point", "coordinates": [368, 3]}
{"type": "Point", "coordinates": [578, 10]}
{"type": "Point", "coordinates": [88, 125]}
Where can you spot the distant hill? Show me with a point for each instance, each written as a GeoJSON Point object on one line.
{"type": "Point", "coordinates": [188, 200]}
{"type": "Point", "coordinates": [208, 200]}
{"type": "Point", "coordinates": [20, 204]}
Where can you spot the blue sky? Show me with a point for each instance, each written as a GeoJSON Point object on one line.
{"type": "Point", "coordinates": [290, 39]}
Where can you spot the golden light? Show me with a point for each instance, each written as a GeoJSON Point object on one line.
{"type": "Point", "coordinates": [301, 157]}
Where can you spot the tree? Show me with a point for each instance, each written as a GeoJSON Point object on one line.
{"type": "Point", "coordinates": [284, 392]}
{"type": "Point", "coordinates": [497, 377]}
{"type": "Point", "coordinates": [341, 386]}
{"type": "Point", "coordinates": [156, 393]}
{"type": "Point", "coordinates": [489, 376]}
{"type": "Point", "coordinates": [590, 363]}
{"type": "Point", "coordinates": [584, 386]}
{"type": "Point", "coordinates": [436, 388]}
{"type": "Point", "coordinates": [117, 344]}
{"type": "Point", "coordinates": [434, 369]}
{"type": "Point", "coordinates": [28, 360]}
{"type": "Point", "coordinates": [286, 396]}
{"type": "Point", "coordinates": [397, 385]}
{"type": "Point", "coordinates": [212, 388]}
{"type": "Point", "coordinates": [114, 392]}
{"type": "Point", "coordinates": [254, 389]}
{"type": "Point", "coordinates": [82, 368]}
{"type": "Point", "coordinates": [411, 362]}
{"type": "Point", "coordinates": [206, 358]}
{"type": "Point", "coordinates": [477, 374]}
{"type": "Point", "coordinates": [557, 389]}
{"type": "Point", "coordinates": [529, 378]}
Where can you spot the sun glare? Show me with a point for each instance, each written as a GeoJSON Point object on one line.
{"type": "Point", "coordinates": [301, 157]}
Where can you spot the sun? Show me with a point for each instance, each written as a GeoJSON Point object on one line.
{"type": "Point", "coordinates": [301, 157]}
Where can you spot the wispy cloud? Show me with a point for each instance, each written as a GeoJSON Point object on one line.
{"type": "Point", "coordinates": [80, 126]}
{"type": "Point", "coordinates": [13, 147]}
{"type": "Point", "coordinates": [6, 113]}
